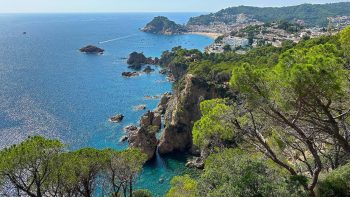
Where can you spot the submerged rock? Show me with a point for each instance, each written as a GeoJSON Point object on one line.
{"type": "Point", "coordinates": [130, 74]}
{"type": "Point", "coordinates": [152, 97]}
{"type": "Point", "coordinates": [117, 118]}
{"type": "Point", "coordinates": [139, 107]}
{"type": "Point", "coordinates": [91, 49]}
{"type": "Point", "coordinates": [148, 69]}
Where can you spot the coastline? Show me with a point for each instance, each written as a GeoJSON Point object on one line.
{"type": "Point", "coordinates": [207, 34]}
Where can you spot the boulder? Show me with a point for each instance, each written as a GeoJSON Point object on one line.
{"type": "Point", "coordinates": [196, 162]}
{"type": "Point", "coordinates": [163, 71]}
{"type": "Point", "coordinates": [124, 138]}
{"type": "Point", "coordinates": [117, 118]}
{"type": "Point", "coordinates": [130, 128]}
{"type": "Point", "coordinates": [91, 49]}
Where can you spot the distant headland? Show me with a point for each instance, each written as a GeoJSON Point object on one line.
{"type": "Point", "coordinates": [162, 25]}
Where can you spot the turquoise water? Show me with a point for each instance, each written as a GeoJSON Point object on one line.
{"type": "Point", "coordinates": [48, 88]}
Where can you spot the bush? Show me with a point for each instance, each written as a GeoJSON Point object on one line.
{"type": "Point", "coordinates": [142, 193]}
{"type": "Point", "coordinates": [336, 183]}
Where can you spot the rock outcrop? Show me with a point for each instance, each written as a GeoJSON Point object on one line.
{"type": "Point", "coordinates": [197, 162]}
{"type": "Point", "coordinates": [117, 118]}
{"type": "Point", "coordinates": [91, 49]}
{"type": "Point", "coordinates": [183, 109]}
{"type": "Point", "coordinates": [130, 74]}
{"type": "Point", "coordinates": [137, 60]}
{"type": "Point", "coordinates": [163, 104]}
{"type": "Point", "coordinates": [144, 137]}
{"type": "Point", "coordinates": [162, 25]}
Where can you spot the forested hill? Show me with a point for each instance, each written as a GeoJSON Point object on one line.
{"type": "Point", "coordinates": [312, 14]}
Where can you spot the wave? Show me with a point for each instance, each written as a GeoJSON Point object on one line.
{"type": "Point", "coordinates": [119, 38]}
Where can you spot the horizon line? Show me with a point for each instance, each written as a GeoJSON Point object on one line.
{"type": "Point", "coordinates": [145, 11]}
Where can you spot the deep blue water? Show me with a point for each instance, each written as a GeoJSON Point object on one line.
{"type": "Point", "coordinates": [48, 88]}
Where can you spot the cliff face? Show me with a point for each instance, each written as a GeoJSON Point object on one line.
{"type": "Point", "coordinates": [145, 136]}
{"type": "Point", "coordinates": [182, 111]}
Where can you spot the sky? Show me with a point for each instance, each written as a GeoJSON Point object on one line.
{"type": "Point", "coordinates": [58, 6]}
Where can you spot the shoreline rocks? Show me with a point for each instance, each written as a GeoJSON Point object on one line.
{"type": "Point", "coordinates": [130, 128]}
{"type": "Point", "coordinates": [117, 118]}
{"type": "Point", "coordinates": [91, 50]}
{"type": "Point", "coordinates": [124, 138]}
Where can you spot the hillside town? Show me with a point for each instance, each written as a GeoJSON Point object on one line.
{"type": "Point", "coordinates": [247, 32]}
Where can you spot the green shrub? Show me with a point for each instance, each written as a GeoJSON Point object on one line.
{"type": "Point", "coordinates": [336, 183]}
{"type": "Point", "coordinates": [142, 193]}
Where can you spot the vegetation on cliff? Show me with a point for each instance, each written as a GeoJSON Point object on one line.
{"type": "Point", "coordinates": [312, 14]}
{"type": "Point", "coordinates": [287, 125]}
{"type": "Point", "coordinates": [162, 25]}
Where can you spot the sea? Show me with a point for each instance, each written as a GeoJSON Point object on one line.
{"type": "Point", "coordinates": [49, 88]}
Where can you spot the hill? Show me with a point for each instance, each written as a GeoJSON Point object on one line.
{"type": "Point", "coordinates": [311, 14]}
{"type": "Point", "coordinates": [162, 25]}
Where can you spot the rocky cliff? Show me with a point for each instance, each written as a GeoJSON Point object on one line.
{"type": "Point", "coordinates": [144, 137]}
{"type": "Point", "coordinates": [183, 109]}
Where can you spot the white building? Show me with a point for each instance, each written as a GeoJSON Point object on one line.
{"type": "Point", "coordinates": [235, 41]}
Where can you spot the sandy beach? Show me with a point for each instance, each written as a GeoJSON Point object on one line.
{"type": "Point", "coordinates": [208, 34]}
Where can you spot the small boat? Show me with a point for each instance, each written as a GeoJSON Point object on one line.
{"type": "Point", "coordinates": [24, 33]}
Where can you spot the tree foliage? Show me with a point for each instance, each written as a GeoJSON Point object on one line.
{"type": "Point", "coordinates": [183, 186]}
{"type": "Point", "coordinates": [40, 167]}
{"type": "Point", "coordinates": [294, 110]}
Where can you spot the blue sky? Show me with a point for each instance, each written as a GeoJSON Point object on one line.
{"type": "Point", "coordinates": [138, 5]}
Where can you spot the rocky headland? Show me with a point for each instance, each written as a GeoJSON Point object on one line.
{"type": "Point", "coordinates": [162, 25]}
